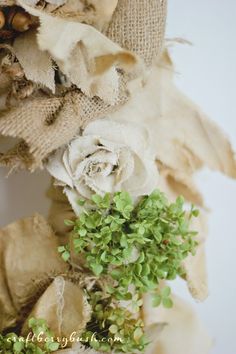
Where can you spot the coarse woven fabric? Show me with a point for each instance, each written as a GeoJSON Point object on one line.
{"type": "Point", "coordinates": [43, 125]}
{"type": "Point", "coordinates": [139, 25]}
{"type": "Point", "coordinates": [46, 124]}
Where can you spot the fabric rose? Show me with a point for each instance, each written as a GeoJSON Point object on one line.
{"type": "Point", "coordinates": [109, 157]}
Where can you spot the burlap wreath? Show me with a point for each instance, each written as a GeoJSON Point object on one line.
{"type": "Point", "coordinates": [43, 124]}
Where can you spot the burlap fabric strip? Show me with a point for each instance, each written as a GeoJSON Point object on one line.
{"type": "Point", "coordinates": [69, 113]}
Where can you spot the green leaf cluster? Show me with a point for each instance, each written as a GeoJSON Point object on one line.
{"type": "Point", "coordinates": [12, 343]}
{"type": "Point", "coordinates": [138, 244]}
{"type": "Point", "coordinates": [122, 331]}
{"type": "Point", "coordinates": [130, 246]}
{"type": "Point", "coordinates": [162, 297]}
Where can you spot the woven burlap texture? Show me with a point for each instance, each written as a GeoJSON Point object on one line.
{"type": "Point", "coordinates": [45, 125]}
{"type": "Point", "coordinates": [139, 25]}
{"type": "Point", "coordinates": [66, 115]}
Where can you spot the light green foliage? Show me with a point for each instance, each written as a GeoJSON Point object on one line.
{"type": "Point", "coordinates": [134, 244]}
{"type": "Point", "coordinates": [123, 332]}
{"type": "Point", "coordinates": [12, 343]}
{"type": "Point", "coordinates": [126, 244]}
{"type": "Point", "coordinates": [162, 297]}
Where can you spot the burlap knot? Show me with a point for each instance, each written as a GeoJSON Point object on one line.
{"type": "Point", "coordinates": [137, 26]}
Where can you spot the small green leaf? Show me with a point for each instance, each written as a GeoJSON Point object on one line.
{"type": "Point", "coordinates": [167, 303]}
{"type": "Point", "coordinates": [165, 292]}
{"type": "Point", "coordinates": [82, 232]}
{"type": "Point", "coordinates": [138, 333]}
{"type": "Point", "coordinates": [156, 300]}
{"type": "Point", "coordinates": [97, 199]}
{"type": "Point", "coordinates": [69, 222]}
{"type": "Point", "coordinates": [32, 322]}
{"type": "Point", "coordinates": [61, 249]}
{"type": "Point", "coordinates": [81, 202]}
{"type": "Point", "coordinates": [18, 347]}
{"type": "Point", "coordinates": [53, 346]}
{"type": "Point", "coordinates": [66, 256]}
{"type": "Point", "coordinates": [97, 269]}
{"type": "Point", "coordinates": [113, 329]}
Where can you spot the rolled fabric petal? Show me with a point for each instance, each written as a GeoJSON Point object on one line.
{"type": "Point", "coordinates": [107, 158]}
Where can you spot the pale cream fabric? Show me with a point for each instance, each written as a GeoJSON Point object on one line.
{"type": "Point", "coordinates": [76, 48]}
{"type": "Point", "coordinates": [107, 158]}
{"type": "Point", "coordinates": [183, 332]}
{"type": "Point", "coordinates": [37, 65]}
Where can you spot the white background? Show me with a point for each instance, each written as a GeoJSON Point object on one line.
{"type": "Point", "coordinates": [207, 73]}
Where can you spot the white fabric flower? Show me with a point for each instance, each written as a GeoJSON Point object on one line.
{"type": "Point", "coordinates": [109, 157]}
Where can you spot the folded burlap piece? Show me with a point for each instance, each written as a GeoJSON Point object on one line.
{"type": "Point", "coordinates": [60, 210]}
{"type": "Point", "coordinates": [142, 23]}
{"type": "Point", "coordinates": [29, 262]}
{"type": "Point", "coordinates": [64, 307]}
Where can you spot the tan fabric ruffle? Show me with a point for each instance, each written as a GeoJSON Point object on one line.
{"type": "Point", "coordinates": [29, 262]}
{"type": "Point", "coordinates": [183, 332]}
{"type": "Point", "coordinates": [64, 307]}
{"type": "Point", "coordinates": [60, 210]}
